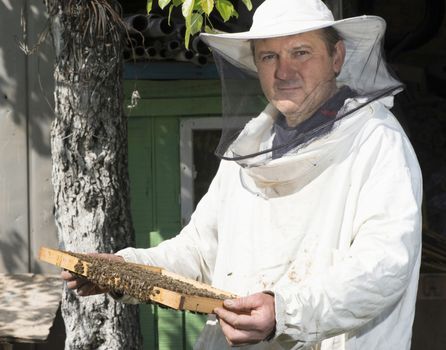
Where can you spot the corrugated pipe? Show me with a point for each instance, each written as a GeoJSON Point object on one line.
{"type": "Point", "coordinates": [140, 52]}
{"type": "Point", "coordinates": [184, 56]}
{"type": "Point", "coordinates": [199, 60]}
{"type": "Point", "coordinates": [151, 52]}
{"type": "Point", "coordinates": [152, 37]}
{"type": "Point", "coordinates": [173, 46]}
{"type": "Point", "coordinates": [138, 22]}
{"type": "Point", "coordinates": [200, 47]}
{"type": "Point", "coordinates": [152, 26]}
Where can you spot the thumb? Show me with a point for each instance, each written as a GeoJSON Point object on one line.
{"type": "Point", "coordinates": [240, 304]}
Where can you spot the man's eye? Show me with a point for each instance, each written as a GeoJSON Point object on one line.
{"type": "Point", "coordinates": [267, 58]}
{"type": "Point", "coordinates": [300, 53]}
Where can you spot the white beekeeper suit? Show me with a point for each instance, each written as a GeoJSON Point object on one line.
{"type": "Point", "coordinates": [333, 228]}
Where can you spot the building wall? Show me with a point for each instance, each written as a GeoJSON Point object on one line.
{"type": "Point", "coordinates": [26, 85]}
{"type": "Point", "coordinates": [26, 197]}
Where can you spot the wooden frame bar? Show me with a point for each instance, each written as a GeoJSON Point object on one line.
{"type": "Point", "coordinates": [172, 299]}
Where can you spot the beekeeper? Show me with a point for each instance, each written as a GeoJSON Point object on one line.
{"type": "Point", "coordinates": [313, 217]}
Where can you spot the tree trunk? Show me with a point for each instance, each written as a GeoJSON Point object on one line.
{"type": "Point", "coordinates": [89, 153]}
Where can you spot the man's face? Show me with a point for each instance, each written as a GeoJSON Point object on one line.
{"type": "Point", "coordinates": [297, 73]}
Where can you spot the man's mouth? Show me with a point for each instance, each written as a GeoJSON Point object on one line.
{"type": "Point", "coordinates": [288, 87]}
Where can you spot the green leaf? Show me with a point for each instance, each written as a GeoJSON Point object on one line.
{"type": "Point", "coordinates": [170, 12]}
{"type": "Point", "coordinates": [187, 8]}
{"type": "Point", "coordinates": [177, 2]}
{"type": "Point", "coordinates": [207, 6]}
{"type": "Point", "coordinates": [187, 36]}
{"type": "Point", "coordinates": [211, 30]}
{"type": "Point", "coordinates": [248, 4]}
{"type": "Point", "coordinates": [196, 23]}
{"type": "Point", "coordinates": [163, 3]}
{"type": "Point", "coordinates": [226, 9]}
{"type": "Point", "coordinates": [149, 6]}
{"type": "Point", "coordinates": [197, 5]}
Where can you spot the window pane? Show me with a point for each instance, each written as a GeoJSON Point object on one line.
{"type": "Point", "coordinates": [205, 161]}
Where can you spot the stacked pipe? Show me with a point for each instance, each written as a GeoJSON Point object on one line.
{"type": "Point", "coordinates": [152, 37]}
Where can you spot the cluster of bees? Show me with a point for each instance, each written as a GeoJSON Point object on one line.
{"type": "Point", "coordinates": [133, 280]}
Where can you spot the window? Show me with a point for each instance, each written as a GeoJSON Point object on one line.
{"type": "Point", "coordinates": [199, 138]}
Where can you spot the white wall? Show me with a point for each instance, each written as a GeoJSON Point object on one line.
{"type": "Point", "coordinates": [26, 92]}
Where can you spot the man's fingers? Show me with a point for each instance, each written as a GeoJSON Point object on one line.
{"type": "Point", "coordinates": [240, 305]}
{"type": "Point", "coordinates": [73, 281]}
{"type": "Point", "coordinates": [82, 285]}
{"type": "Point", "coordinates": [67, 276]}
{"type": "Point", "coordinates": [76, 283]}
{"type": "Point", "coordinates": [73, 284]}
{"type": "Point", "coordinates": [247, 320]}
{"type": "Point", "coordinates": [89, 289]}
{"type": "Point", "coordinates": [237, 321]}
{"type": "Point", "coordinates": [238, 337]}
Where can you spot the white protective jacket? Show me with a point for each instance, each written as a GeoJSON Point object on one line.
{"type": "Point", "coordinates": [334, 231]}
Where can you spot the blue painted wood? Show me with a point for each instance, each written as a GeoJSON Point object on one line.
{"type": "Point", "coordinates": [164, 70]}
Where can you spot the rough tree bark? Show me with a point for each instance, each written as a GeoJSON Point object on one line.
{"type": "Point", "coordinates": [89, 153]}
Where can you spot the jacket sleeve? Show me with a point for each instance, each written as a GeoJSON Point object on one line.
{"type": "Point", "coordinates": [375, 270]}
{"type": "Point", "coordinates": [192, 252]}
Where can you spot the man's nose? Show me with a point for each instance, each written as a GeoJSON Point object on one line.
{"type": "Point", "coordinates": [286, 69]}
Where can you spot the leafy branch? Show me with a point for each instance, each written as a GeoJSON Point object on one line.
{"type": "Point", "coordinates": [197, 13]}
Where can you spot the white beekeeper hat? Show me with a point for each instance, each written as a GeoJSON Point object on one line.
{"type": "Point", "coordinates": [277, 18]}
{"type": "Point", "coordinates": [364, 72]}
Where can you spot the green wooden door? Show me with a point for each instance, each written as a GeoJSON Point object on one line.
{"type": "Point", "coordinates": [154, 166]}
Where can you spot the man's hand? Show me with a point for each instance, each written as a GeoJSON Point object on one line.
{"type": "Point", "coordinates": [247, 320]}
{"type": "Point", "coordinates": [82, 285]}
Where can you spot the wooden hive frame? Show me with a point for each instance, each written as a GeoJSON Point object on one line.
{"type": "Point", "coordinates": [172, 299]}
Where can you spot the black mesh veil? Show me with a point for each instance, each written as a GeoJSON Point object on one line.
{"type": "Point", "coordinates": [242, 100]}
{"type": "Point", "coordinates": [255, 128]}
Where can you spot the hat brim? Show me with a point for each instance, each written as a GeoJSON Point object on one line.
{"type": "Point", "coordinates": [359, 34]}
